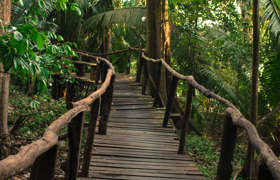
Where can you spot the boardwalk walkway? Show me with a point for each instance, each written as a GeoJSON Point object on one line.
{"type": "Point", "coordinates": [136, 147]}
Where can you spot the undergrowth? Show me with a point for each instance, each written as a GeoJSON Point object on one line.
{"type": "Point", "coordinates": [36, 112]}
{"type": "Point", "coordinates": [206, 153]}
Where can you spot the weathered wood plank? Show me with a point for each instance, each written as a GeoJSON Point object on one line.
{"type": "Point", "coordinates": [136, 146]}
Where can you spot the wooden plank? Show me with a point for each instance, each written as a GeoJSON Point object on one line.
{"type": "Point", "coordinates": [171, 172]}
{"type": "Point", "coordinates": [136, 146]}
{"type": "Point", "coordinates": [136, 164]}
{"type": "Point", "coordinates": [159, 162]}
{"type": "Point", "coordinates": [144, 175]}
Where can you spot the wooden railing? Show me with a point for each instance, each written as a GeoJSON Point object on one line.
{"type": "Point", "coordinates": [41, 154]}
{"type": "Point", "coordinates": [233, 119]}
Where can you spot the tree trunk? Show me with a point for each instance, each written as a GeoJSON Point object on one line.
{"type": "Point", "coordinates": [166, 32]}
{"type": "Point", "coordinates": [5, 14]}
{"type": "Point", "coordinates": [250, 162]}
{"type": "Point", "coordinates": [153, 35]}
{"type": "Point", "coordinates": [106, 45]}
{"type": "Point", "coordinates": [166, 52]}
{"type": "Point", "coordinates": [4, 103]}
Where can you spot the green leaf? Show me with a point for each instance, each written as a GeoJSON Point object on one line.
{"type": "Point", "coordinates": [18, 36]}
{"type": "Point", "coordinates": [38, 39]}
{"type": "Point", "coordinates": [75, 7]}
{"type": "Point", "coordinates": [34, 104]}
{"type": "Point", "coordinates": [60, 38]}
{"type": "Point", "coordinates": [22, 48]}
{"type": "Point", "coordinates": [21, 2]}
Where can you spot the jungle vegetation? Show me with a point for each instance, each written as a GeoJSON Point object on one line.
{"type": "Point", "coordinates": [210, 39]}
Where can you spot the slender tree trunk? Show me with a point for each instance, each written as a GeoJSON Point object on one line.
{"type": "Point", "coordinates": [107, 43]}
{"type": "Point", "coordinates": [166, 32]}
{"type": "Point", "coordinates": [5, 14]}
{"type": "Point", "coordinates": [254, 89]}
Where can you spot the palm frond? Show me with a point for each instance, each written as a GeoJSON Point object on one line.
{"type": "Point", "coordinates": [218, 82]}
{"type": "Point", "coordinates": [272, 13]}
{"type": "Point", "coordinates": [270, 79]}
{"type": "Point", "coordinates": [129, 16]}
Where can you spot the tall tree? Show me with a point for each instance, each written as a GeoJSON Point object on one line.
{"type": "Point", "coordinates": [153, 28]}
{"type": "Point", "coordinates": [166, 52]}
{"type": "Point", "coordinates": [254, 87]}
{"type": "Point", "coordinates": [153, 39]}
{"type": "Point", "coordinates": [5, 14]}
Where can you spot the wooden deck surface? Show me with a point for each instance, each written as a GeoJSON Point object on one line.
{"type": "Point", "coordinates": [136, 147]}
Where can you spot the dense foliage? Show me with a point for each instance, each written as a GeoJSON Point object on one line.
{"type": "Point", "coordinates": [210, 39]}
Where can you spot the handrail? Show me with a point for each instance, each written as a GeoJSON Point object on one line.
{"type": "Point", "coordinates": [112, 53]}
{"type": "Point", "coordinates": [238, 119]}
{"type": "Point", "coordinates": [190, 79]}
{"type": "Point", "coordinates": [29, 153]}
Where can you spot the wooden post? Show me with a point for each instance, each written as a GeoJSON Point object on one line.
{"type": "Point", "coordinates": [98, 72]}
{"type": "Point", "coordinates": [186, 120]}
{"type": "Point", "coordinates": [90, 138]}
{"type": "Point", "coordinates": [170, 98]}
{"type": "Point", "coordinates": [157, 101]}
{"type": "Point", "coordinates": [145, 77]}
{"type": "Point", "coordinates": [106, 102]}
{"type": "Point", "coordinates": [104, 69]}
{"type": "Point", "coordinates": [74, 144]}
{"type": "Point", "coordinates": [93, 72]}
{"type": "Point", "coordinates": [228, 144]}
{"type": "Point", "coordinates": [139, 67]}
{"type": "Point", "coordinates": [44, 166]}
{"type": "Point", "coordinates": [103, 73]}
{"type": "Point", "coordinates": [128, 63]}
{"type": "Point", "coordinates": [80, 67]}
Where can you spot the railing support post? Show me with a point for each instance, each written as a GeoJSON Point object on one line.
{"type": "Point", "coordinates": [157, 101]}
{"type": "Point", "coordinates": [186, 120]}
{"type": "Point", "coordinates": [128, 63]}
{"type": "Point", "coordinates": [44, 166]}
{"type": "Point", "coordinates": [103, 73]}
{"type": "Point", "coordinates": [90, 138]}
{"type": "Point", "coordinates": [104, 69]}
{"type": "Point", "coordinates": [145, 81]}
{"type": "Point", "coordinates": [139, 67]}
{"type": "Point", "coordinates": [106, 102]}
{"type": "Point", "coordinates": [228, 144]}
{"type": "Point", "coordinates": [170, 98]}
{"type": "Point", "coordinates": [74, 144]}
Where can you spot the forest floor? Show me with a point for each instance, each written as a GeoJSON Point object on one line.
{"type": "Point", "coordinates": [28, 118]}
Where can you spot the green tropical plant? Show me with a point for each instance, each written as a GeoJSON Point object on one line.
{"type": "Point", "coordinates": [272, 14]}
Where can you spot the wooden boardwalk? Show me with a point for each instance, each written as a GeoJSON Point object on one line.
{"type": "Point", "coordinates": [136, 147]}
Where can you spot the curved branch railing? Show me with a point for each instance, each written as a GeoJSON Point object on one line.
{"type": "Point", "coordinates": [44, 149]}
{"type": "Point", "coordinates": [234, 119]}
